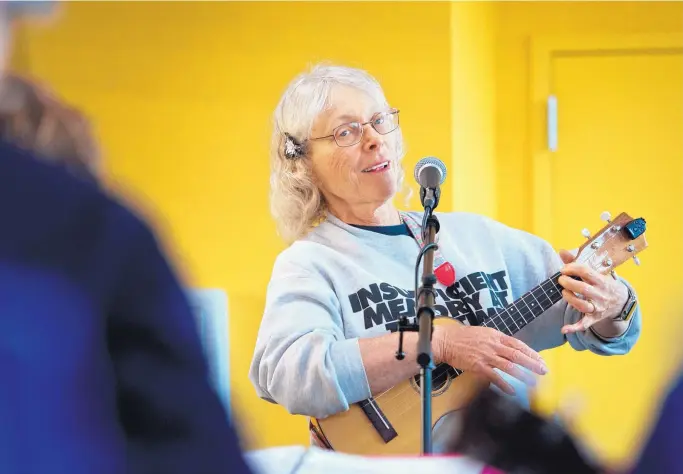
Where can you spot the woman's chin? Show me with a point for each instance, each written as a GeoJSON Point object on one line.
{"type": "Point", "coordinates": [385, 191]}
{"type": "Point", "coordinates": [380, 185]}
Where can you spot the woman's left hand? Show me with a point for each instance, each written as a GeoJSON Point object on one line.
{"type": "Point", "coordinates": [603, 296]}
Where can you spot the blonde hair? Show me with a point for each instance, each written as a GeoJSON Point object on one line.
{"type": "Point", "coordinates": [296, 202]}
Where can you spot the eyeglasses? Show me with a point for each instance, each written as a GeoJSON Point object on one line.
{"type": "Point", "coordinates": [349, 134]}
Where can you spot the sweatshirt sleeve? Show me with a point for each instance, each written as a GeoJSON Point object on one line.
{"type": "Point", "coordinates": [302, 360]}
{"type": "Point", "coordinates": [539, 261]}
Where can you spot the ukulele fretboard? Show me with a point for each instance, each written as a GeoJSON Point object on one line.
{"type": "Point", "coordinates": [528, 307]}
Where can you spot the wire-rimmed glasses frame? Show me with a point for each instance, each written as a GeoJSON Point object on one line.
{"type": "Point", "coordinates": [360, 127]}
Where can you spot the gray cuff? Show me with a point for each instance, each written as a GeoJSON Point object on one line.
{"type": "Point", "coordinates": [350, 371]}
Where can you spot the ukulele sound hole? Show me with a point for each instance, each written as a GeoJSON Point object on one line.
{"type": "Point", "coordinates": [442, 376]}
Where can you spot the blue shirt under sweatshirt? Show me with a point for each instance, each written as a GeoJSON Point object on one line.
{"type": "Point", "coordinates": [101, 367]}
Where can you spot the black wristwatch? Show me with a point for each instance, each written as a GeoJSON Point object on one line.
{"type": "Point", "coordinates": [629, 308]}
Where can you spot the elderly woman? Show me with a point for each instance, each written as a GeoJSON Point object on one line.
{"type": "Point", "coordinates": [328, 335]}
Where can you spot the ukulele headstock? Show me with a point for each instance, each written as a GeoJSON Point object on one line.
{"type": "Point", "coordinates": [623, 238]}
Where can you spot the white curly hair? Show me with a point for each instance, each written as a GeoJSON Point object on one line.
{"type": "Point", "coordinates": [296, 202]}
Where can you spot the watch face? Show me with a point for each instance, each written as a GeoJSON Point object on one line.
{"type": "Point", "coordinates": [628, 310]}
{"type": "Point", "coordinates": [629, 307]}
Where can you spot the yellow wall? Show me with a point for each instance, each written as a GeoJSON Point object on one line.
{"type": "Point", "coordinates": [473, 107]}
{"type": "Point", "coordinates": [517, 23]}
{"type": "Point", "coordinates": [181, 94]}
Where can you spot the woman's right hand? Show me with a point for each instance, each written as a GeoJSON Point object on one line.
{"type": "Point", "coordinates": [480, 349]}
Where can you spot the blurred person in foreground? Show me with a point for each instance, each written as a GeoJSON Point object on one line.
{"type": "Point", "coordinates": [101, 367]}
{"type": "Point", "coordinates": [33, 118]}
{"type": "Point", "coordinates": [495, 431]}
{"type": "Point", "coordinates": [502, 434]}
{"type": "Point", "coordinates": [662, 450]}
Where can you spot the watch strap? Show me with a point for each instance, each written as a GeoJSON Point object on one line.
{"type": "Point", "coordinates": [629, 307]}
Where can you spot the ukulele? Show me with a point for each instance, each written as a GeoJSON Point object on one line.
{"type": "Point", "coordinates": [390, 423]}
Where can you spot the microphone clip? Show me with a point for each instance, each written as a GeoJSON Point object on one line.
{"type": "Point", "coordinates": [429, 197]}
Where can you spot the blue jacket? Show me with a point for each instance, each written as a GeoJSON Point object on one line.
{"type": "Point", "coordinates": [101, 368]}
{"type": "Point", "coordinates": [662, 452]}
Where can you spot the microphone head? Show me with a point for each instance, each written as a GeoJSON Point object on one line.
{"type": "Point", "coordinates": [430, 172]}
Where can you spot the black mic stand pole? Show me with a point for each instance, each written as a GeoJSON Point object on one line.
{"type": "Point", "coordinates": [425, 300]}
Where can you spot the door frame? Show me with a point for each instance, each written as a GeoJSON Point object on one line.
{"type": "Point", "coordinates": [542, 51]}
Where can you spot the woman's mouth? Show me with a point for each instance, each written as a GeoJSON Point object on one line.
{"type": "Point", "coordinates": [378, 168]}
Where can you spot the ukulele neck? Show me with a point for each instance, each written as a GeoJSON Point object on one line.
{"type": "Point", "coordinates": [527, 308]}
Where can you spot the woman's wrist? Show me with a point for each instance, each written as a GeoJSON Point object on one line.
{"type": "Point", "coordinates": [437, 344]}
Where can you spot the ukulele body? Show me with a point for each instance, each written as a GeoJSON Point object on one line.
{"type": "Point", "coordinates": [355, 432]}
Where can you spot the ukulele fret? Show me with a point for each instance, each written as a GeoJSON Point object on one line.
{"type": "Point", "coordinates": [542, 298]}
{"type": "Point", "coordinates": [516, 315]}
{"type": "Point", "coordinates": [532, 304]}
{"type": "Point", "coordinates": [505, 328]}
{"type": "Point", "coordinates": [514, 323]}
{"type": "Point", "coordinates": [524, 309]}
{"type": "Point", "coordinates": [497, 323]}
{"type": "Point", "coordinates": [552, 290]}
{"type": "Point", "coordinates": [528, 307]}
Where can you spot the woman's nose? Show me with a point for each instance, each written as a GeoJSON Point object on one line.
{"type": "Point", "coordinates": [371, 139]}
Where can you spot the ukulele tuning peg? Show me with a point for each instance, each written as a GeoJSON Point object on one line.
{"type": "Point", "coordinates": [636, 260]}
{"type": "Point", "coordinates": [586, 233]}
{"type": "Point", "coordinates": [606, 216]}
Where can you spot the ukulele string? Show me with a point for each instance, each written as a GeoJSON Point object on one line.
{"type": "Point", "coordinates": [409, 406]}
{"type": "Point", "coordinates": [438, 379]}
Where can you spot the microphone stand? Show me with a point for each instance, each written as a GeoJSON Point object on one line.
{"type": "Point", "coordinates": [424, 302]}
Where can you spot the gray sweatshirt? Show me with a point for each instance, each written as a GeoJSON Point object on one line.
{"type": "Point", "coordinates": [344, 282]}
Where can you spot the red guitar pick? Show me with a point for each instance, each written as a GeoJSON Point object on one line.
{"type": "Point", "coordinates": [445, 273]}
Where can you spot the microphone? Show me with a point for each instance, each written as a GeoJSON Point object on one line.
{"type": "Point", "coordinates": [430, 173]}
